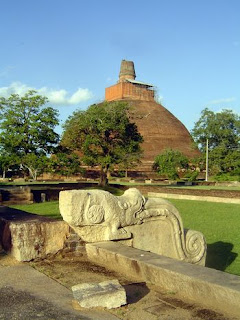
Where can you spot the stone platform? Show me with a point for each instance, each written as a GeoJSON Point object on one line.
{"type": "Point", "coordinates": [208, 287]}
{"type": "Point", "coordinates": [27, 236]}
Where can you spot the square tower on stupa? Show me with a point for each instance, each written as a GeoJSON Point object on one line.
{"type": "Point", "coordinates": [129, 88]}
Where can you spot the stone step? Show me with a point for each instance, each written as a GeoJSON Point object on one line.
{"type": "Point", "coordinates": [206, 287]}
{"type": "Point", "coordinates": [16, 202]}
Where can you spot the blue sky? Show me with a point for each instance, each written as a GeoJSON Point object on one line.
{"type": "Point", "coordinates": [71, 51]}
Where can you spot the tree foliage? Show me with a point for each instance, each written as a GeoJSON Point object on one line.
{"type": "Point", "coordinates": [27, 128]}
{"type": "Point", "coordinates": [35, 164]}
{"type": "Point", "coordinates": [104, 135]}
{"type": "Point", "coordinates": [169, 163]}
{"type": "Point", "coordinates": [222, 129]}
{"type": "Point", "coordinates": [130, 161]}
{"type": "Point", "coordinates": [65, 163]}
{"type": "Point", "coordinates": [7, 162]}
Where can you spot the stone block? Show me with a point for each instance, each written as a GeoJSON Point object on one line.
{"type": "Point", "coordinates": [148, 181]}
{"type": "Point", "coordinates": [28, 240]}
{"type": "Point", "coordinates": [108, 294]}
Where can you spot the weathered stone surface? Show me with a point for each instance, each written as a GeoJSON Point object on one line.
{"type": "Point", "coordinates": [108, 294]}
{"type": "Point", "coordinates": [27, 240]}
{"type": "Point", "coordinates": [193, 283]}
{"type": "Point", "coordinates": [16, 195]}
{"type": "Point", "coordinates": [159, 236]}
{"type": "Point", "coordinates": [89, 210]}
{"type": "Point", "coordinates": [151, 224]}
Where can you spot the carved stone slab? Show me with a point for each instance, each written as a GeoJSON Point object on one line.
{"type": "Point", "coordinates": [148, 224]}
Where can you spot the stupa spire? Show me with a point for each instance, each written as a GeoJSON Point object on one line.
{"type": "Point", "coordinates": [127, 71]}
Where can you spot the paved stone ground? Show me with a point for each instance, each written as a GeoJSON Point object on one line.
{"type": "Point", "coordinates": [26, 293]}
{"type": "Point", "coordinates": [16, 304]}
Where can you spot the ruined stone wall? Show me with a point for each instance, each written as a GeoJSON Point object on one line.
{"type": "Point", "coordinates": [126, 90]}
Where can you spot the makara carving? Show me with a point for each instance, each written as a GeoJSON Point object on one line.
{"type": "Point", "coordinates": [98, 215]}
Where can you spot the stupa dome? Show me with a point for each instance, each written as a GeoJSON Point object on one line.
{"type": "Point", "coordinates": [159, 127]}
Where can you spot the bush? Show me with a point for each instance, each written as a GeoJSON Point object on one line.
{"type": "Point", "coordinates": [226, 177]}
{"type": "Point", "coordinates": [191, 175]}
{"type": "Point", "coordinates": [169, 163]}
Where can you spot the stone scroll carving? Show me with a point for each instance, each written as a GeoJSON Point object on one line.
{"type": "Point", "coordinates": [152, 224]}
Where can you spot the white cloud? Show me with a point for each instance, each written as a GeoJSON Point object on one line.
{"type": "Point", "coordinates": [55, 97]}
{"type": "Point", "coordinates": [219, 101]}
{"type": "Point", "coordinates": [80, 95]}
{"type": "Point", "coordinates": [15, 87]}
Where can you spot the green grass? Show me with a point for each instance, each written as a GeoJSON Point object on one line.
{"type": "Point", "coordinates": [51, 209]}
{"type": "Point", "coordinates": [220, 224]}
{"type": "Point", "coordinates": [48, 209]}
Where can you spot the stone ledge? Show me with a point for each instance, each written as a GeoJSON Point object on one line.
{"type": "Point", "coordinates": [188, 197]}
{"type": "Point", "coordinates": [204, 286]}
{"type": "Point", "coordinates": [27, 236]}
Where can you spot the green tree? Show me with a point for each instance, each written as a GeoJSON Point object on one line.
{"type": "Point", "coordinates": [222, 129]}
{"type": "Point", "coordinates": [130, 161]}
{"type": "Point", "coordinates": [104, 135]}
{"type": "Point", "coordinates": [27, 127]}
{"type": "Point", "coordinates": [65, 164]}
{"type": "Point", "coordinates": [7, 162]}
{"type": "Point", "coordinates": [169, 162]}
{"type": "Point", "coordinates": [35, 164]}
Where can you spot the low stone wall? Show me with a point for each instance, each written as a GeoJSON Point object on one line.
{"type": "Point", "coordinates": [51, 192]}
{"type": "Point", "coordinates": [16, 195]}
{"type": "Point", "coordinates": [189, 197]}
{"type": "Point", "coordinates": [210, 288]}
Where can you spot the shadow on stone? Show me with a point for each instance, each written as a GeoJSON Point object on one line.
{"type": "Point", "coordinates": [220, 255]}
{"type": "Point", "coordinates": [136, 291]}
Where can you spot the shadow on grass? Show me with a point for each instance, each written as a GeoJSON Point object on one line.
{"type": "Point", "coordinates": [220, 255]}
{"type": "Point", "coordinates": [14, 214]}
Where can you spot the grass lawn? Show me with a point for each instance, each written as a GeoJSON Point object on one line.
{"type": "Point", "coordinates": [48, 209]}
{"type": "Point", "coordinates": [219, 222]}
{"type": "Point", "coordinates": [51, 208]}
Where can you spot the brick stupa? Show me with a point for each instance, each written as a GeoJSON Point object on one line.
{"type": "Point", "coordinates": [159, 127]}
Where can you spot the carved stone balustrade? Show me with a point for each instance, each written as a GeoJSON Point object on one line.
{"type": "Point", "coordinates": [152, 224]}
